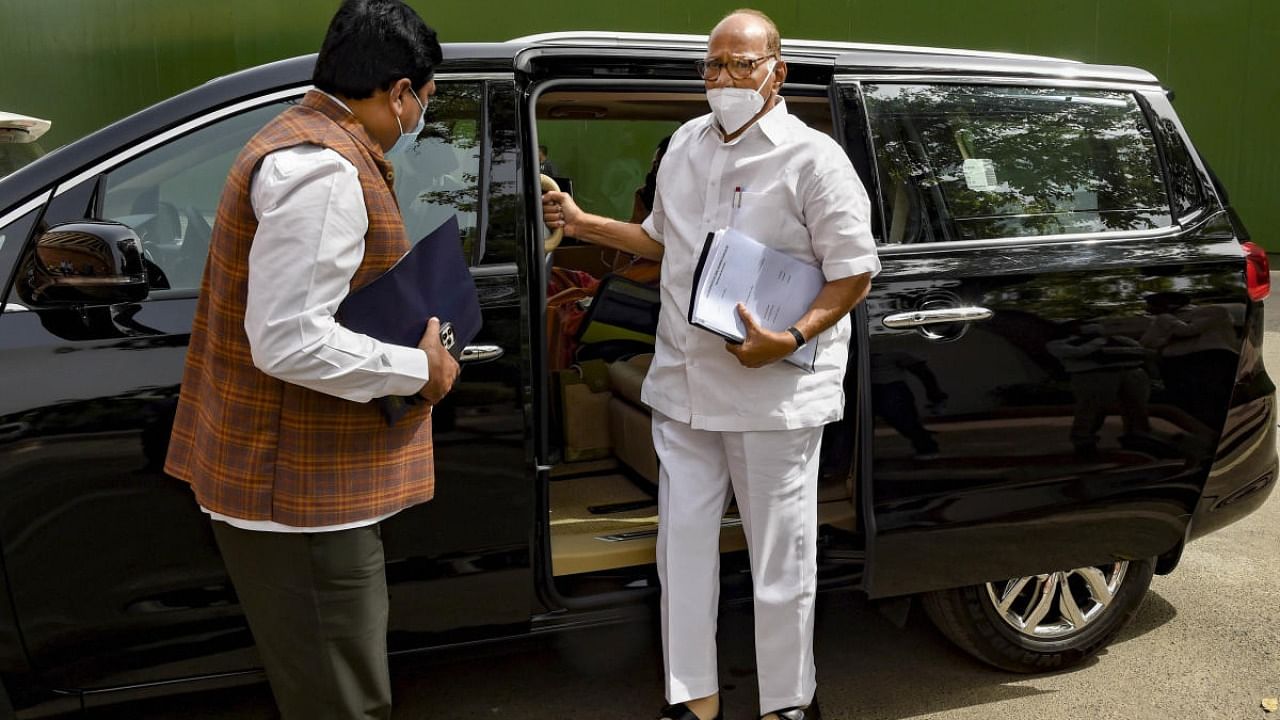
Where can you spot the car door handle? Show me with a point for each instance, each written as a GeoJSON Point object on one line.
{"type": "Point", "coordinates": [920, 318]}
{"type": "Point", "coordinates": [480, 353]}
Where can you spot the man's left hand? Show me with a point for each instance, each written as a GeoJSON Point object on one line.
{"type": "Point", "coordinates": [761, 347]}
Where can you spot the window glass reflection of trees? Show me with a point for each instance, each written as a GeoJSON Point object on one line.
{"type": "Point", "coordinates": [1187, 193]}
{"type": "Point", "coordinates": [439, 175]}
{"type": "Point", "coordinates": [966, 162]}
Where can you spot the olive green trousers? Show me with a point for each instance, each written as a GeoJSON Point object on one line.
{"type": "Point", "coordinates": [317, 608]}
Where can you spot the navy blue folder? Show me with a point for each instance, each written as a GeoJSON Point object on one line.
{"type": "Point", "coordinates": [431, 280]}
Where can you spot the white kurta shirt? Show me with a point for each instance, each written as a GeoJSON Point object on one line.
{"type": "Point", "coordinates": [801, 196]}
{"type": "Point", "coordinates": [309, 244]}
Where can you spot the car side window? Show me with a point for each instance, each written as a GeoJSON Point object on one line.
{"type": "Point", "coordinates": [169, 195]}
{"type": "Point", "coordinates": [1188, 191]}
{"type": "Point", "coordinates": [974, 162]}
{"type": "Point", "coordinates": [439, 175]}
{"type": "Point", "coordinates": [12, 237]}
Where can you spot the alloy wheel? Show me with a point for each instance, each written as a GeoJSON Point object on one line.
{"type": "Point", "coordinates": [1056, 605]}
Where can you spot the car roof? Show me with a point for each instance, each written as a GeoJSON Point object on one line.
{"type": "Point", "coordinates": [844, 56]}
{"type": "Point", "coordinates": [505, 57]}
{"type": "Point", "coordinates": [849, 56]}
{"type": "Point", "coordinates": [698, 43]}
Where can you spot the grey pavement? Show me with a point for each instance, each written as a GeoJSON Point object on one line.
{"type": "Point", "coordinates": [1204, 645]}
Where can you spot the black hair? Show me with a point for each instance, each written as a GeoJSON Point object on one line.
{"type": "Point", "coordinates": [371, 44]}
{"type": "Point", "coordinates": [650, 188]}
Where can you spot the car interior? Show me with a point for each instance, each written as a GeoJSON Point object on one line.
{"type": "Point", "coordinates": [602, 312]}
{"type": "Point", "coordinates": [169, 196]}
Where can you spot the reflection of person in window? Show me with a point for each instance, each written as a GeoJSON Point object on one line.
{"type": "Point", "coordinates": [1198, 354]}
{"type": "Point", "coordinates": [545, 166]}
{"type": "Point", "coordinates": [429, 186]}
{"type": "Point", "coordinates": [893, 400]}
{"type": "Point", "coordinates": [1104, 370]}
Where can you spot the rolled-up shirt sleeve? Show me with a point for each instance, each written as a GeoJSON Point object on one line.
{"type": "Point", "coordinates": [837, 212]}
{"type": "Point", "coordinates": [309, 243]}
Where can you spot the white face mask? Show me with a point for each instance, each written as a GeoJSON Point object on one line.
{"type": "Point", "coordinates": [406, 138]}
{"type": "Point", "coordinates": [734, 107]}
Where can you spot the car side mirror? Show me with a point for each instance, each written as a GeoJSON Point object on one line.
{"type": "Point", "coordinates": [88, 262]}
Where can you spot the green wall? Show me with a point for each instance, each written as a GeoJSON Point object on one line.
{"type": "Point", "coordinates": [84, 63]}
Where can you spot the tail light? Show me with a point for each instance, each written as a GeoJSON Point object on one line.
{"type": "Point", "coordinates": [1257, 271]}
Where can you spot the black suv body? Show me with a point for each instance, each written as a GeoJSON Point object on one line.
{"type": "Point", "coordinates": [1057, 380]}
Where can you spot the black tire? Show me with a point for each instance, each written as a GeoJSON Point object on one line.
{"type": "Point", "coordinates": [970, 618]}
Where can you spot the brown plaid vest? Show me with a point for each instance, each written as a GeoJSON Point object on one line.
{"type": "Point", "coordinates": [258, 448]}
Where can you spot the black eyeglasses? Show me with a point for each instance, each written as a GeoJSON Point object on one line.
{"type": "Point", "coordinates": [739, 68]}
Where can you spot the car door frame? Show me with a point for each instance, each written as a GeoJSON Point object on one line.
{"type": "Point", "coordinates": [667, 69]}
{"type": "Point", "coordinates": [537, 76]}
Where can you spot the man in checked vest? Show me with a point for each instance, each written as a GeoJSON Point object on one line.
{"type": "Point", "coordinates": [274, 429]}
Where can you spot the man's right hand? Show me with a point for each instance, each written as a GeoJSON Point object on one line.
{"type": "Point", "coordinates": [442, 368]}
{"type": "Point", "coordinates": [560, 211]}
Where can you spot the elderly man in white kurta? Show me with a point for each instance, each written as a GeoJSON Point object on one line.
{"type": "Point", "coordinates": [731, 418]}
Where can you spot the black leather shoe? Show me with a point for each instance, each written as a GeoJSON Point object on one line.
{"type": "Point", "coordinates": [680, 711]}
{"type": "Point", "coordinates": [812, 712]}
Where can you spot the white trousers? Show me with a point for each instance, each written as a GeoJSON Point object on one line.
{"type": "Point", "coordinates": [774, 476]}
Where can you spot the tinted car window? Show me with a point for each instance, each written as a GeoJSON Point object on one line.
{"type": "Point", "coordinates": [504, 235]}
{"type": "Point", "coordinates": [969, 162]}
{"type": "Point", "coordinates": [12, 238]}
{"type": "Point", "coordinates": [439, 175]}
{"type": "Point", "coordinates": [169, 195]}
{"type": "Point", "coordinates": [1188, 193]}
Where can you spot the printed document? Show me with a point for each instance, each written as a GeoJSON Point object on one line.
{"type": "Point", "coordinates": [776, 289]}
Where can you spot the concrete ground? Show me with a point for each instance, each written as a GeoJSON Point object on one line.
{"type": "Point", "coordinates": [1205, 644]}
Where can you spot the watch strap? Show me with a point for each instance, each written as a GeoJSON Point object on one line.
{"type": "Point", "coordinates": [799, 336]}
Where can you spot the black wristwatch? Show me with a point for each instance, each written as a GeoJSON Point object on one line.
{"type": "Point", "coordinates": [799, 336]}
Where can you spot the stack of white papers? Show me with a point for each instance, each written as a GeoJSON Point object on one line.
{"type": "Point", "coordinates": [776, 289]}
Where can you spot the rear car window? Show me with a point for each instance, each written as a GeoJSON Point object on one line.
{"type": "Point", "coordinates": [975, 162]}
{"type": "Point", "coordinates": [1188, 193]}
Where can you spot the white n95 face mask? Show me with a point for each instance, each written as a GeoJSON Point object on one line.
{"type": "Point", "coordinates": [406, 138]}
{"type": "Point", "coordinates": [734, 107]}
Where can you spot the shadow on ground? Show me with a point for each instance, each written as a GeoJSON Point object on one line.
{"type": "Point", "coordinates": [868, 668]}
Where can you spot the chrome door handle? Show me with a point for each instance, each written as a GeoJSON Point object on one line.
{"type": "Point", "coordinates": [920, 318]}
{"type": "Point", "coordinates": [480, 353]}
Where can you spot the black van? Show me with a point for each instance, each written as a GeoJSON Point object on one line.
{"type": "Point", "coordinates": [1056, 381]}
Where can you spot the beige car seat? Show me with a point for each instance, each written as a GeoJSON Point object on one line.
{"type": "Point", "coordinates": [629, 426]}
{"type": "Point", "coordinates": [629, 423]}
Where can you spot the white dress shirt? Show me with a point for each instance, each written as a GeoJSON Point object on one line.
{"type": "Point", "coordinates": [309, 244]}
{"type": "Point", "coordinates": [801, 196]}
